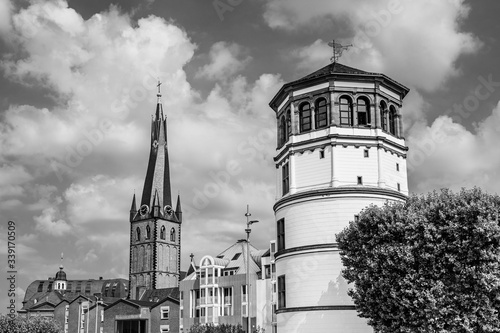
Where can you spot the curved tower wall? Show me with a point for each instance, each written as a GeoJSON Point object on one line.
{"type": "Point", "coordinates": [326, 173]}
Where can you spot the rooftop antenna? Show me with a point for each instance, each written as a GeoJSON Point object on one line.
{"type": "Point", "coordinates": [337, 50]}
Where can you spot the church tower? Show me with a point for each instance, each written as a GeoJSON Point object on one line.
{"type": "Point", "coordinates": [155, 228]}
{"type": "Point", "coordinates": [340, 148]}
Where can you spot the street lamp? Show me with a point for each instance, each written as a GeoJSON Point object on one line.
{"type": "Point", "coordinates": [248, 230]}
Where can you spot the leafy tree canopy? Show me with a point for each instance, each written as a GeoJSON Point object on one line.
{"type": "Point", "coordinates": [28, 325]}
{"type": "Point", "coordinates": [431, 264]}
{"type": "Point", "coordinates": [221, 328]}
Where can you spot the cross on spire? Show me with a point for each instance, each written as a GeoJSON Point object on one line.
{"type": "Point", "coordinates": [337, 50]}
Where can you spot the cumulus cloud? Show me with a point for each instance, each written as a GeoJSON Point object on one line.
{"type": "Point", "coordinates": [446, 154]}
{"type": "Point", "coordinates": [226, 59]}
{"type": "Point", "coordinates": [387, 38]}
{"type": "Point", "coordinates": [50, 222]}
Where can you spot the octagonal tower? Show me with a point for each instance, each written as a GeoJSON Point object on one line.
{"type": "Point", "coordinates": [340, 148]}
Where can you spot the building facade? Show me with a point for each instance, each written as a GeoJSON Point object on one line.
{"type": "Point", "coordinates": [216, 292]}
{"type": "Point", "coordinates": [340, 148]}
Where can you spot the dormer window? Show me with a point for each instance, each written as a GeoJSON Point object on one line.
{"type": "Point", "coordinates": [363, 112]}
{"type": "Point", "coordinates": [305, 117]}
{"type": "Point", "coordinates": [321, 113]}
{"type": "Point", "coordinates": [346, 111]}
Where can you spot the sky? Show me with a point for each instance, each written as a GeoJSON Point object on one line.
{"type": "Point", "coordinates": [78, 88]}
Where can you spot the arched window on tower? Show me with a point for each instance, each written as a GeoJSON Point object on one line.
{"type": "Point", "coordinates": [288, 124]}
{"type": "Point", "coordinates": [305, 117]}
{"type": "Point", "coordinates": [321, 113]}
{"type": "Point", "coordinates": [363, 111]}
{"type": "Point", "coordinates": [282, 131]}
{"type": "Point", "coordinates": [345, 111]}
{"type": "Point", "coordinates": [138, 233]}
{"type": "Point", "coordinates": [162, 232]}
{"type": "Point", "coordinates": [392, 120]}
{"type": "Point", "coordinates": [172, 235]}
{"type": "Point", "coordinates": [148, 232]}
{"type": "Point", "coordinates": [383, 115]}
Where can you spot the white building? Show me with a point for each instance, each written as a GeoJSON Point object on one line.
{"type": "Point", "coordinates": [340, 149]}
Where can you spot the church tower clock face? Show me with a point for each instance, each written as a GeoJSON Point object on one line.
{"type": "Point", "coordinates": [154, 255]}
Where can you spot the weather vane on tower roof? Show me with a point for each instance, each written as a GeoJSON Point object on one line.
{"type": "Point", "coordinates": [337, 50]}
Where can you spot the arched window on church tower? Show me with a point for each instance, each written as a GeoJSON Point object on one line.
{"type": "Point", "coordinates": [363, 111]}
{"type": "Point", "coordinates": [392, 120]}
{"type": "Point", "coordinates": [282, 131]}
{"type": "Point", "coordinates": [321, 113]}
{"type": "Point", "coordinates": [345, 111]}
{"type": "Point", "coordinates": [305, 117]}
{"type": "Point", "coordinates": [148, 232]}
{"type": "Point", "coordinates": [162, 232]}
{"type": "Point", "coordinates": [138, 233]}
{"type": "Point", "coordinates": [383, 115]}
{"type": "Point", "coordinates": [172, 235]}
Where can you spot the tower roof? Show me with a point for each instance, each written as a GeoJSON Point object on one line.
{"type": "Point", "coordinates": [158, 172]}
{"type": "Point", "coordinates": [335, 71]}
{"type": "Point", "coordinates": [61, 275]}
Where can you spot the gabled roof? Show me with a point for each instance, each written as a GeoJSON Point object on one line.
{"type": "Point", "coordinates": [159, 294]}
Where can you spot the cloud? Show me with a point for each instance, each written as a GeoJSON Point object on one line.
{"type": "Point", "coordinates": [446, 154]}
{"type": "Point", "coordinates": [5, 16]}
{"type": "Point", "coordinates": [226, 59]}
{"type": "Point", "coordinates": [50, 223]}
{"type": "Point", "coordinates": [387, 36]}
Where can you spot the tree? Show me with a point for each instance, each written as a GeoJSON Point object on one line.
{"type": "Point", "coordinates": [28, 325]}
{"type": "Point", "coordinates": [221, 328]}
{"type": "Point", "coordinates": [431, 264]}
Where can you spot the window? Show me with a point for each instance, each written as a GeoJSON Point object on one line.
{"type": "Point", "coordinates": [399, 187]}
{"type": "Point", "coordinates": [70, 285]}
{"type": "Point", "coordinates": [236, 256]}
{"type": "Point", "coordinates": [322, 153]}
{"type": "Point", "coordinates": [345, 111]}
{"type": "Point", "coordinates": [321, 113]}
{"type": "Point", "coordinates": [138, 234]}
{"type": "Point", "coordinates": [383, 115]}
{"type": "Point", "coordinates": [102, 316]}
{"type": "Point", "coordinates": [367, 153]}
{"type": "Point", "coordinates": [356, 218]}
{"type": "Point", "coordinates": [148, 232]}
{"type": "Point", "coordinates": [288, 124]}
{"type": "Point", "coordinates": [164, 328]}
{"type": "Point", "coordinates": [165, 312]}
{"type": "Point", "coordinates": [282, 131]}
{"type": "Point", "coordinates": [305, 117]}
{"type": "Point", "coordinates": [392, 120]}
{"type": "Point", "coordinates": [397, 166]}
{"type": "Point", "coordinates": [360, 180]}
{"type": "Point", "coordinates": [40, 287]}
{"type": "Point", "coordinates": [113, 289]}
{"type": "Point", "coordinates": [162, 232]}
{"type": "Point", "coordinates": [281, 292]}
{"type": "Point", "coordinates": [87, 288]}
{"type": "Point", "coordinates": [172, 235]}
{"type": "Point", "coordinates": [286, 178]}
{"type": "Point", "coordinates": [363, 112]}
{"type": "Point", "coordinates": [281, 234]}
{"type": "Point", "coordinates": [138, 326]}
